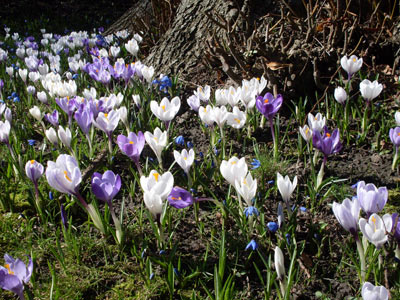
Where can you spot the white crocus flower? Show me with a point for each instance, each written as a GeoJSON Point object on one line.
{"type": "Point", "coordinates": [90, 94]}
{"type": "Point", "coordinates": [279, 263]}
{"type": "Point", "coordinates": [153, 203]}
{"type": "Point", "coordinates": [148, 73]}
{"type": "Point", "coordinates": [397, 118]}
{"type": "Point", "coordinates": [160, 184]}
{"type": "Point", "coordinates": [206, 115]}
{"type": "Point", "coordinates": [233, 96]}
{"type": "Point", "coordinates": [10, 71]}
{"type": "Point", "coordinates": [136, 100]}
{"type": "Point", "coordinates": [184, 159]}
{"type": "Point", "coordinates": [123, 113]}
{"type": "Point", "coordinates": [352, 64]}
{"type": "Point", "coordinates": [247, 94]}
{"type": "Point", "coordinates": [23, 73]}
{"type": "Point", "coordinates": [375, 229]}
{"type": "Point", "coordinates": [316, 123]}
{"type": "Point", "coordinates": [237, 118]}
{"type": "Point", "coordinates": [157, 141]}
{"type": "Point", "coordinates": [220, 115]}
{"type": "Point", "coordinates": [132, 47]}
{"type": "Point", "coordinates": [370, 90]}
{"type": "Point", "coordinates": [166, 110]}
{"type": "Point", "coordinates": [2, 108]}
{"type": "Point", "coordinates": [233, 169]}
{"type": "Point", "coordinates": [114, 50]}
{"type": "Point", "coordinates": [203, 93]}
{"type": "Point", "coordinates": [340, 95]}
{"type": "Point", "coordinates": [107, 122]}
{"type": "Point", "coordinates": [5, 131]}
{"type": "Point", "coordinates": [34, 76]}
{"type": "Point", "coordinates": [221, 97]}
{"type": "Point", "coordinates": [8, 115]}
{"type": "Point", "coordinates": [306, 133]}
{"type": "Point", "coordinates": [247, 188]}
{"type": "Point", "coordinates": [52, 136]}
{"type": "Point", "coordinates": [286, 187]}
{"type": "Point", "coordinates": [371, 292]}
{"type": "Point", "coordinates": [65, 136]}
{"type": "Point", "coordinates": [35, 112]}
{"type": "Point", "coordinates": [42, 97]}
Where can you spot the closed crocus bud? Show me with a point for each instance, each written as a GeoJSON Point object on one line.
{"type": "Point", "coordinates": [285, 186]}
{"type": "Point", "coordinates": [107, 122]}
{"type": "Point", "coordinates": [52, 136]}
{"type": "Point", "coordinates": [34, 76]}
{"type": "Point", "coordinates": [394, 134]}
{"type": "Point", "coordinates": [5, 131]}
{"type": "Point", "coordinates": [106, 186]}
{"type": "Point", "coordinates": [371, 292]}
{"type": "Point", "coordinates": [34, 170]}
{"type": "Point", "coordinates": [184, 159]}
{"type": "Point", "coordinates": [114, 50]}
{"type": "Point", "coordinates": [397, 118]}
{"type": "Point", "coordinates": [8, 115]}
{"type": "Point", "coordinates": [371, 199]}
{"type": "Point", "coordinates": [35, 112]}
{"type": "Point", "coordinates": [132, 47]}
{"type": "Point", "coordinates": [347, 214]}
{"type": "Point", "coordinates": [247, 188]}
{"type": "Point", "coordinates": [10, 71]}
{"type": "Point", "coordinates": [157, 141]}
{"type": "Point", "coordinates": [279, 263]}
{"type": "Point", "coordinates": [306, 133]}
{"type": "Point", "coordinates": [370, 90]}
{"type": "Point", "coordinates": [23, 73]}
{"type": "Point", "coordinates": [31, 90]}
{"type": "Point", "coordinates": [65, 136]}
{"type": "Point", "coordinates": [131, 145]}
{"type": "Point", "coordinates": [351, 65]}
{"type": "Point", "coordinates": [233, 169]}
{"type": "Point", "coordinates": [340, 95]}
{"type": "Point", "coordinates": [136, 100]}
{"type": "Point", "coordinates": [123, 114]}
{"type": "Point", "coordinates": [220, 115]}
{"type": "Point", "coordinates": [148, 73]}
{"type": "Point", "coordinates": [42, 97]}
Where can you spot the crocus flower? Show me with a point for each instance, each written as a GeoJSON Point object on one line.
{"type": "Point", "coordinates": [316, 123]}
{"type": "Point", "coordinates": [233, 169]}
{"type": "Point", "coordinates": [394, 134]}
{"type": "Point", "coordinates": [5, 131]}
{"type": "Point", "coordinates": [327, 143]}
{"type": "Point", "coordinates": [347, 214]}
{"type": "Point", "coordinates": [370, 90]}
{"type": "Point", "coordinates": [220, 115]}
{"type": "Point", "coordinates": [184, 159]}
{"type": "Point", "coordinates": [286, 187]}
{"type": "Point", "coordinates": [396, 226]}
{"type": "Point", "coordinates": [371, 199]}
{"type": "Point", "coordinates": [351, 65]}
{"type": "Point", "coordinates": [203, 93]}
{"type": "Point", "coordinates": [340, 95]}
{"type": "Point", "coordinates": [247, 188]}
{"type": "Point", "coordinates": [106, 186]}
{"type": "Point", "coordinates": [35, 112]}
{"type": "Point", "coordinates": [206, 115]}
{"type": "Point", "coordinates": [237, 118]}
{"type": "Point", "coordinates": [84, 117]}
{"type": "Point", "coordinates": [157, 141]}
{"type": "Point", "coordinates": [166, 110]}
{"type": "Point", "coordinates": [14, 274]}
{"type": "Point", "coordinates": [157, 183]}
{"type": "Point", "coordinates": [107, 122]}
{"type": "Point", "coordinates": [375, 228]}
{"type": "Point", "coordinates": [194, 102]}
{"type": "Point", "coordinates": [65, 136]}
{"type": "Point", "coordinates": [64, 174]}
{"type": "Point", "coordinates": [52, 118]}
{"type": "Point", "coordinates": [132, 145]}
{"type": "Point", "coordinates": [132, 47]}
{"type": "Point", "coordinates": [306, 133]}
{"type": "Point", "coordinates": [371, 292]}
{"type": "Point", "coordinates": [153, 203]}
{"type": "Point", "coordinates": [42, 97]}
{"type": "Point", "coordinates": [279, 263]}
{"type": "Point", "coordinates": [64, 218]}
{"type": "Point", "coordinates": [268, 105]}
{"type": "Point", "coordinates": [52, 136]}
{"type": "Point", "coordinates": [397, 118]}
{"type": "Point", "coordinates": [180, 198]}
{"type": "Point", "coordinates": [34, 170]}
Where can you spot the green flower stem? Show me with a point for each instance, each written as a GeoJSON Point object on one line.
{"type": "Point", "coordinates": [362, 259]}
{"type": "Point", "coordinates": [395, 158]}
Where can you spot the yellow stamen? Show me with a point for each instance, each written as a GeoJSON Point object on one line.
{"type": "Point", "coordinates": [185, 158]}
{"type": "Point", "coordinates": [205, 110]}
{"type": "Point", "coordinates": [266, 101]}
{"type": "Point", "coordinates": [316, 119]}
{"type": "Point", "coordinates": [258, 78]}
{"type": "Point", "coordinates": [328, 134]}
{"type": "Point", "coordinates": [373, 219]}
{"type": "Point", "coordinates": [66, 176]}
{"type": "Point", "coordinates": [307, 130]}
{"type": "Point", "coordinates": [106, 116]}
{"type": "Point", "coordinates": [7, 266]}
{"type": "Point", "coordinates": [163, 107]}
{"type": "Point", "coordinates": [398, 134]}
{"type": "Point", "coordinates": [32, 161]}
{"type": "Point", "coordinates": [233, 163]}
{"type": "Point", "coordinates": [130, 142]}
{"type": "Point", "coordinates": [156, 176]}
{"type": "Point", "coordinates": [354, 59]}
{"type": "Point", "coordinates": [244, 181]}
{"type": "Point", "coordinates": [237, 120]}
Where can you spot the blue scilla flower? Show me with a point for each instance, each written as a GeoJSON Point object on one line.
{"type": "Point", "coordinates": [287, 238]}
{"type": "Point", "coordinates": [189, 145]}
{"type": "Point", "coordinates": [180, 140]}
{"type": "Point", "coordinates": [51, 197]}
{"type": "Point", "coordinates": [255, 164]}
{"type": "Point", "coordinates": [165, 83]}
{"type": "Point", "coordinates": [251, 210]}
{"type": "Point", "coordinates": [272, 226]}
{"type": "Point", "coordinates": [252, 245]}
{"type": "Point", "coordinates": [14, 94]}
{"type": "Point", "coordinates": [16, 99]}
{"type": "Point", "coordinates": [354, 186]}
{"type": "Point", "coordinates": [32, 142]}
{"type": "Point", "coordinates": [75, 76]}
{"type": "Point", "coordinates": [151, 276]}
{"type": "Point", "coordinates": [303, 209]}
{"type": "Point", "coordinates": [271, 182]}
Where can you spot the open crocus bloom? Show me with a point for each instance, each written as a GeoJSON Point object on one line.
{"type": "Point", "coordinates": [156, 141]}
{"type": "Point", "coordinates": [306, 133]}
{"type": "Point", "coordinates": [370, 90]}
{"type": "Point", "coordinates": [166, 110]}
{"type": "Point", "coordinates": [233, 169]}
{"type": "Point", "coordinates": [351, 65]}
{"type": "Point", "coordinates": [328, 143]}
{"type": "Point", "coordinates": [206, 115]}
{"type": "Point", "coordinates": [247, 188]}
{"type": "Point", "coordinates": [106, 186]}
{"type": "Point", "coordinates": [64, 174]}
{"type": "Point", "coordinates": [34, 170]}
{"type": "Point", "coordinates": [132, 145]}
{"type": "Point", "coordinates": [371, 292]}
{"type": "Point", "coordinates": [394, 134]}
{"type": "Point", "coordinates": [237, 118]}
{"type": "Point", "coordinates": [153, 203]}
{"type": "Point", "coordinates": [14, 274]}
{"type": "Point", "coordinates": [184, 159]}
{"type": "Point", "coordinates": [316, 123]}
{"type": "Point", "coordinates": [107, 122]}
{"type": "Point", "coordinates": [157, 183]}
{"type": "Point", "coordinates": [375, 228]}
{"type": "Point", "coordinates": [269, 105]}
{"type": "Point", "coordinates": [180, 198]}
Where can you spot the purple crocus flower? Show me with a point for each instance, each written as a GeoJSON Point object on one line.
{"type": "Point", "coordinates": [371, 199]}
{"type": "Point", "coordinates": [14, 274]}
{"type": "Point", "coordinates": [394, 134]}
{"type": "Point", "coordinates": [34, 170]}
{"type": "Point", "coordinates": [52, 118]}
{"type": "Point", "coordinates": [84, 118]}
{"type": "Point", "coordinates": [180, 198]}
{"type": "Point", "coordinates": [106, 186]}
{"type": "Point", "coordinates": [68, 105]}
{"type": "Point", "coordinates": [268, 105]}
{"type": "Point", "coordinates": [132, 146]}
{"type": "Point", "coordinates": [327, 143]}
{"type": "Point", "coordinates": [396, 226]}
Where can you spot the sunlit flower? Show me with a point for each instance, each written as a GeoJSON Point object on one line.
{"type": "Point", "coordinates": [233, 169]}
{"type": "Point", "coordinates": [328, 143]}
{"type": "Point", "coordinates": [184, 159]}
{"type": "Point", "coordinates": [106, 186]}
{"type": "Point", "coordinates": [64, 174]}
{"type": "Point", "coordinates": [371, 199]}
{"type": "Point", "coordinates": [34, 170]}
{"type": "Point", "coordinates": [132, 145]}
{"type": "Point", "coordinates": [340, 95]}
{"type": "Point", "coordinates": [316, 123]}
{"type": "Point", "coordinates": [107, 122]}
{"type": "Point", "coordinates": [269, 105]}
{"type": "Point", "coordinates": [252, 245]}
{"type": "Point", "coordinates": [370, 90]}
{"type": "Point", "coordinates": [52, 136]}
{"type": "Point", "coordinates": [180, 198]}
{"type": "Point", "coordinates": [306, 133]}
{"type": "Point", "coordinates": [160, 184]}
{"type": "Point", "coordinates": [166, 110]}
{"type": "Point", "coordinates": [65, 136]}
{"type": "Point", "coordinates": [157, 141]}
{"type": "Point", "coordinates": [5, 131]}
{"type": "Point", "coordinates": [237, 118]}
{"type": "Point", "coordinates": [286, 187]}
{"type": "Point", "coordinates": [371, 292]}
{"type": "Point", "coordinates": [375, 229]}
{"type": "Point", "coordinates": [247, 188]}
{"type": "Point", "coordinates": [351, 65]}
{"type": "Point", "coordinates": [279, 263]}
{"type": "Point", "coordinates": [347, 214]}
{"type": "Point", "coordinates": [206, 115]}
{"type": "Point", "coordinates": [203, 93]}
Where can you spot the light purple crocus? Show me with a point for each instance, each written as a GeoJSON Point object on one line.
{"type": "Point", "coordinates": [84, 117]}
{"type": "Point", "coordinates": [268, 105]}
{"type": "Point", "coordinates": [347, 214]}
{"type": "Point", "coordinates": [371, 199]}
{"type": "Point", "coordinates": [52, 118]}
{"type": "Point", "coordinates": [394, 134]}
{"type": "Point", "coordinates": [14, 274]}
{"type": "Point", "coordinates": [327, 143]}
{"type": "Point", "coordinates": [68, 105]}
{"type": "Point", "coordinates": [34, 170]}
{"type": "Point", "coordinates": [106, 186]}
{"type": "Point", "coordinates": [396, 227]}
{"type": "Point", "coordinates": [180, 198]}
{"type": "Point", "coordinates": [132, 146]}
